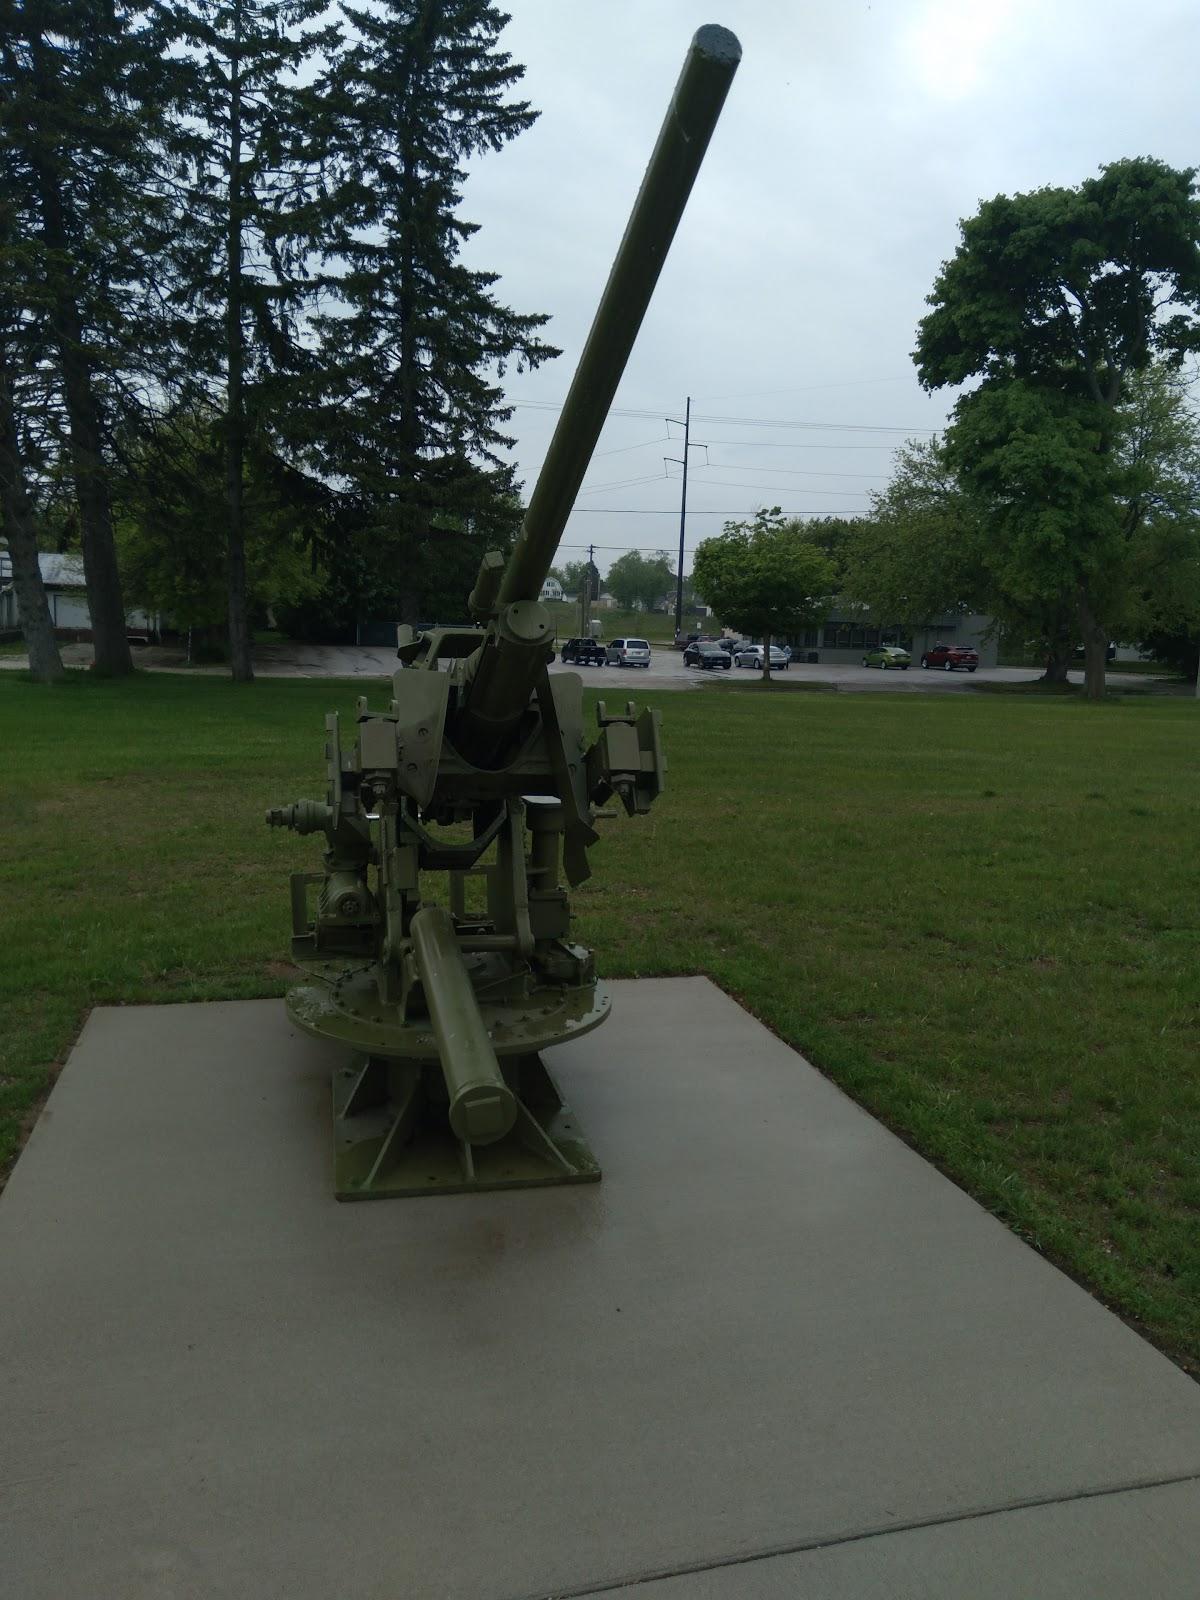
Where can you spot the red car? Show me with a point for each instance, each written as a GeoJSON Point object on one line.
{"type": "Point", "coordinates": [949, 656]}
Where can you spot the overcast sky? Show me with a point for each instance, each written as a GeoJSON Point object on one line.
{"type": "Point", "coordinates": [854, 138]}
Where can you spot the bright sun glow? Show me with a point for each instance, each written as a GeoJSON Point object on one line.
{"type": "Point", "coordinates": [951, 42]}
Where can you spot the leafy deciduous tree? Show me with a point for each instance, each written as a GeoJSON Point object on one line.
{"type": "Point", "coordinates": [172, 498]}
{"type": "Point", "coordinates": [1052, 301]}
{"type": "Point", "coordinates": [639, 582]}
{"type": "Point", "coordinates": [927, 549]}
{"type": "Point", "coordinates": [932, 544]}
{"type": "Point", "coordinates": [766, 577]}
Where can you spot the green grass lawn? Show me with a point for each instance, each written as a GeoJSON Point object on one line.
{"type": "Point", "coordinates": [979, 915]}
{"type": "Point", "coordinates": [658, 628]}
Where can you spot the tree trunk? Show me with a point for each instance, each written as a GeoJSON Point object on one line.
{"type": "Point", "coordinates": [105, 603]}
{"type": "Point", "coordinates": [1058, 661]}
{"type": "Point", "coordinates": [44, 660]}
{"type": "Point", "coordinates": [766, 677]}
{"type": "Point", "coordinates": [240, 664]}
{"type": "Point", "coordinates": [414, 512]}
{"type": "Point", "coordinates": [1095, 646]}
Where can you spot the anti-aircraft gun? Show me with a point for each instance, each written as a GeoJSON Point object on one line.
{"type": "Point", "coordinates": [480, 769]}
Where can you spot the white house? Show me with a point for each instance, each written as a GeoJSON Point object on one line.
{"type": "Point", "coordinates": [551, 590]}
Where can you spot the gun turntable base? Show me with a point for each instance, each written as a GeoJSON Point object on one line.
{"type": "Point", "coordinates": [392, 1137]}
{"type": "Point", "coordinates": [406, 1125]}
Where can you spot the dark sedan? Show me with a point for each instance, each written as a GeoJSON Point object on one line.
{"type": "Point", "coordinates": [707, 656]}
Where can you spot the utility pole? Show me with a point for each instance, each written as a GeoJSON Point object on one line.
{"type": "Point", "coordinates": [686, 425]}
{"type": "Point", "coordinates": [585, 596]}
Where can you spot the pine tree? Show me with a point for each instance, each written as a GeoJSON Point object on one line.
{"type": "Point", "coordinates": [411, 414]}
{"type": "Point", "coordinates": [23, 343]}
{"type": "Point", "coordinates": [246, 171]}
{"type": "Point", "coordinates": [17, 518]}
{"type": "Point", "coordinates": [77, 147]}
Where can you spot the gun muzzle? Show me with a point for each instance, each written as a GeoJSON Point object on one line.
{"type": "Point", "coordinates": [482, 1106]}
{"type": "Point", "coordinates": [503, 677]}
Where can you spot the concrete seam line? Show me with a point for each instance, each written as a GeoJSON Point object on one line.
{"type": "Point", "coordinates": [857, 1536]}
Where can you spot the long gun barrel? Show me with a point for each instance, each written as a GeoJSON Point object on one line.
{"type": "Point", "coordinates": [483, 772]}
{"type": "Point", "coordinates": [506, 666]}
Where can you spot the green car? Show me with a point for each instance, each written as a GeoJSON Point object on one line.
{"type": "Point", "coordinates": [888, 655]}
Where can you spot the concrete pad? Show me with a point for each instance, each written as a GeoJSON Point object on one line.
{"type": "Point", "coordinates": [1136, 1545]}
{"type": "Point", "coordinates": [772, 1328]}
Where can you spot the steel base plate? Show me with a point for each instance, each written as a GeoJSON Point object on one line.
{"type": "Point", "coordinates": [341, 1004]}
{"type": "Point", "coordinates": [392, 1139]}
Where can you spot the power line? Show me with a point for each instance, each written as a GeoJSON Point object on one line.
{"type": "Point", "coordinates": [747, 444]}
{"type": "Point", "coordinates": [628, 483]}
{"type": "Point", "coordinates": [658, 511]}
{"type": "Point", "coordinates": [733, 466]}
{"type": "Point", "coordinates": [622, 448]}
{"type": "Point", "coordinates": [793, 472]}
{"type": "Point", "coordinates": [614, 411]}
{"type": "Point", "coordinates": [724, 483]}
{"type": "Point", "coordinates": [832, 427]}
{"type": "Point", "coordinates": [807, 388]}
{"type": "Point", "coordinates": [740, 422]}
{"type": "Point", "coordinates": [790, 444]}
{"type": "Point", "coordinates": [605, 547]}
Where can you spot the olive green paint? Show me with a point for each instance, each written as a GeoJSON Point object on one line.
{"type": "Point", "coordinates": [480, 775]}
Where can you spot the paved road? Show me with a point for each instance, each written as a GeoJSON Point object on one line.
{"type": "Point", "coordinates": [666, 670]}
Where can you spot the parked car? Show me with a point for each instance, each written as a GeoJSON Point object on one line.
{"type": "Point", "coordinates": [888, 655]}
{"type": "Point", "coordinates": [751, 655]}
{"type": "Point", "coordinates": [1080, 654]}
{"type": "Point", "coordinates": [628, 653]}
{"type": "Point", "coordinates": [707, 655]}
{"type": "Point", "coordinates": [949, 656]}
{"type": "Point", "coordinates": [584, 652]}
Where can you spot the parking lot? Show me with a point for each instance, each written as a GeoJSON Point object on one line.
{"type": "Point", "coordinates": [666, 670]}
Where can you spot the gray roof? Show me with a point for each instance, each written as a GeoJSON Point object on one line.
{"type": "Point", "coordinates": [58, 571]}
{"type": "Point", "coordinates": [62, 572]}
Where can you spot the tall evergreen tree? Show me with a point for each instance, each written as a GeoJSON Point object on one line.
{"type": "Point", "coordinates": [76, 128]}
{"type": "Point", "coordinates": [411, 413]}
{"type": "Point", "coordinates": [22, 349]}
{"type": "Point", "coordinates": [17, 520]}
{"type": "Point", "coordinates": [247, 166]}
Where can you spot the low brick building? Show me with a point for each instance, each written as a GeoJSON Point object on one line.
{"type": "Point", "coordinates": [843, 637]}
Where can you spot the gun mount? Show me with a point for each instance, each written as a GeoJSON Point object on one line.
{"type": "Point", "coordinates": [480, 769]}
